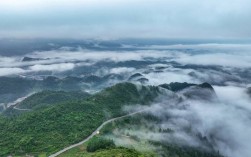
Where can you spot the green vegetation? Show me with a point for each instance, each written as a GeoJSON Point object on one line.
{"type": "Point", "coordinates": [124, 129]}
{"type": "Point", "coordinates": [47, 130]}
{"type": "Point", "coordinates": [59, 119]}
{"type": "Point", "coordinates": [117, 152]}
{"type": "Point", "coordinates": [44, 99]}
{"type": "Point", "coordinates": [47, 98]}
{"type": "Point", "coordinates": [14, 85]}
{"type": "Point", "coordinates": [176, 86]}
{"type": "Point", "coordinates": [140, 121]}
{"type": "Point", "coordinates": [206, 85]}
{"type": "Point", "coordinates": [135, 76]}
{"type": "Point", "coordinates": [169, 150]}
{"type": "Point", "coordinates": [127, 128]}
{"type": "Point", "coordinates": [111, 152]}
{"type": "Point", "coordinates": [12, 88]}
{"type": "Point", "coordinates": [98, 143]}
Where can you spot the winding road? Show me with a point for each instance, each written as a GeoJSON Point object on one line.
{"type": "Point", "coordinates": [15, 103]}
{"type": "Point", "coordinates": [93, 134]}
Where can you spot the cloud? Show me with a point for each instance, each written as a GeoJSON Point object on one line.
{"type": "Point", "coordinates": [63, 59]}
{"type": "Point", "coordinates": [7, 61]}
{"type": "Point", "coordinates": [120, 70]}
{"type": "Point", "coordinates": [225, 123]}
{"type": "Point", "coordinates": [85, 55]}
{"type": "Point", "coordinates": [211, 45]}
{"type": "Point", "coordinates": [121, 19]}
{"type": "Point", "coordinates": [234, 95]}
{"type": "Point", "coordinates": [170, 75]}
{"type": "Point", "coordinates": [235, 66]}
{"type": "Point", "coordinates": [216, 77]}
{"type": "Point", "coordinates": [53, 67]}
{"type": "Point", "coordinates": [11, 71]}
{"type": "Point", "coordinates": [221, 59]}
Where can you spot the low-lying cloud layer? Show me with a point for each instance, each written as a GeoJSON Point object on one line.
{"type": "Point", "coordinates": [52, 67]}
{"type": "Point", "coordinates": [220, 59]}
{"type": "Point", "coordinates": [11, 71]}
{"type": "Point", "coordinates": [64, 59]}
{"type": "Point", "coordinates": [222, 124]}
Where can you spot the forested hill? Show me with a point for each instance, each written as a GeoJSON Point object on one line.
{"type": "Point", "coordinates": [50, 129]}
{"type": "Point", "coordinates": [44, 99]}
{"type": "Point", "coordinates": [59, 119]}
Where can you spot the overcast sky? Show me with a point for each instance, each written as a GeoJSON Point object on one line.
{"type": "Point", "coordinates": [125, 18]}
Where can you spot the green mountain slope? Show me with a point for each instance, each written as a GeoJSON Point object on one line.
{"type": "Point", "coordinates": [46, 98]}
{"type": "Point", "coordinates": [129, 131]}
{"type": "Point", "coordinates": [12, 88]}
{"type": "Point", "coordinates": [114, 152]}
{"type": "Point", "coordinates": [176, 86]}
{"type": "Point", "coordinates": [50, 129]}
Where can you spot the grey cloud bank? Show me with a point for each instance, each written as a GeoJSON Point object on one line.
{"type": "Point", "coordinates": [223, 122]}
{"type": "Point", "coordinates": [225, 56]}
{"type": "Point", "coordinates": [120, 19]}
